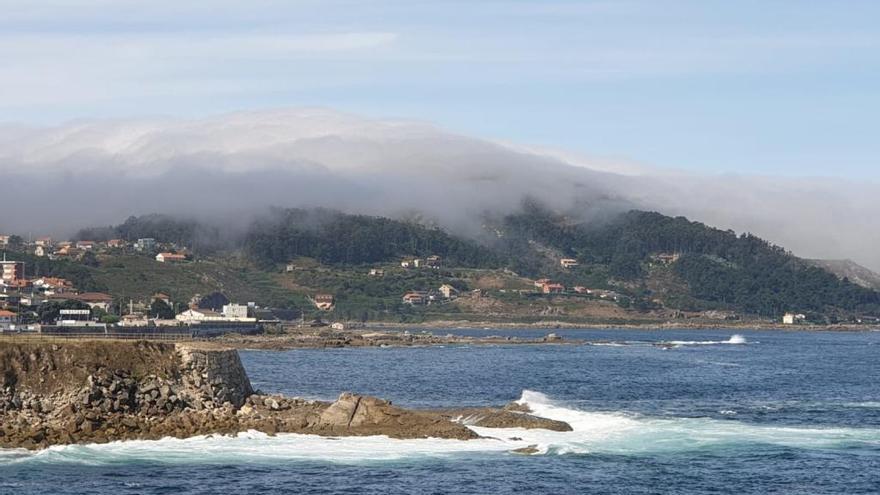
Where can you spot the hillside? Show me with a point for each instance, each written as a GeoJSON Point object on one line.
{"type": "Point", "coordinates": [716, 269]}
{"type": "Point", "coordinates": [336, 238]}
{"type": "Point", "coordinates": [633, 267]}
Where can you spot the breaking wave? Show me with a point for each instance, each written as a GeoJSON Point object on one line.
{"type": "Point", "coordinates": [594, 433]}
{"type": "Point", "coordinates": [736, 339]}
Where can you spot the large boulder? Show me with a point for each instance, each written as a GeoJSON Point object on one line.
{"type": "Point", "coordinates": [362, 415]}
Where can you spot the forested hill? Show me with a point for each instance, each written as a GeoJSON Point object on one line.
{"type": "Point", "coordinates": [334, 237]}
{"type": "Point", "coordinates": [742, 272]}
{"type": "Point", "coordinates": [195, 235]}
{"type": "Point", "coordinates": [712, 269]}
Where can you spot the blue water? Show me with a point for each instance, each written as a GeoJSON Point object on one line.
{"type": "Point", "coordinates": [784, 412]}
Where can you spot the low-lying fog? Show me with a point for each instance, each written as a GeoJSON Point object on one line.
{"type": "Point", "coordinates": [228, 167]}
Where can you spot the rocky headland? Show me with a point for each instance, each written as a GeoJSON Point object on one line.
{"type": "Point", "coordinates": [102, 391]}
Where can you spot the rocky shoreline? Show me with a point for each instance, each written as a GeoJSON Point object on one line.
{"type": "Point", "coordinates": [551, 325]}
{"type": "Point", "coordinates": [323, 338]}
{"type": "Point", "coordinates": [103, 391]}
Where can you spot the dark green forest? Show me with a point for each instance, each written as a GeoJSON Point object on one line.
{"type": "Point", "coordinates": [743, 272]}
{"type": "Point", "coordinates": [334, 237]}
{"type": "Point", "coordinates": [720, 269]}
{"type": "Point", "coordinates": [195, 235]}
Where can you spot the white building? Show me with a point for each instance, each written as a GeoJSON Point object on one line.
{"type": "Point", "coordinates": [792, 319]}
{"type": "Point", "coordinates": [74, 317]}
{"type": "Point", "coordinates": [11, 270]}
{"type": "Point", "coordinates": [134, 320]}
{"type": "Point", "coordinates": [170, 257]}
{"type": "Point", "coordinates": [235, 312]}
{"type": "Point", "coordinates": [568, 262]}
{"type": "Point", "coordinates": [197, 315]}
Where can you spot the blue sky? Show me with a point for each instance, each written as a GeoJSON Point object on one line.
{"type": "Point", "coordinates": [757, 87]}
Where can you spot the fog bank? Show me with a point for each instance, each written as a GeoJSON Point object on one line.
{"type": "Point", "coordinates": [232, 166]}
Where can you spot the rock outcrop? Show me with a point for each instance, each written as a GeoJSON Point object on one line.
{"type": "Point", "coordinates": [95, 392]}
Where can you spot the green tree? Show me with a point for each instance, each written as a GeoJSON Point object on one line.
{"type": "Point", "coordinates": [109, 319]}
{"type": "Point", "coordinates": [48, 313]}
{"type": "Point", "coordinates": [161, 310]}
{"type": "Point", "coordinates": [89, 259]}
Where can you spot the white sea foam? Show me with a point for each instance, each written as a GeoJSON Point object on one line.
{"type": "Point", "coordinates": [594, 432]}
{"type": "Point", "coordinates": [736, 339]}
{"type": "Point", "coordinates": [253, 446]}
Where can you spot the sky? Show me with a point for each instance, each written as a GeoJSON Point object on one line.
{"type": "Point", "coordinates": [769, 87]}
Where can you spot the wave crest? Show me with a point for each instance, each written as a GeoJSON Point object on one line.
{"type": "Point", "coordinates": [616, 433]}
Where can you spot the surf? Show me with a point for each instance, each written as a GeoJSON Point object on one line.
{"type": "Point", "coordinates": [735, 339]}
{"type": "Point", "coordinates": [616, 433]}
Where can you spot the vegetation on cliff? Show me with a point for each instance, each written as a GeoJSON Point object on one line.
{"type": "Point", "coordinates": [651, 262]}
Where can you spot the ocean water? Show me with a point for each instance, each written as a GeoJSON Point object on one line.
{"type": "Point", "coordinates": [709, 412]}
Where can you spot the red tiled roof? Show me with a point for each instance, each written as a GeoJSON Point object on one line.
{"type": "Point", "coordinates": [93, 297]}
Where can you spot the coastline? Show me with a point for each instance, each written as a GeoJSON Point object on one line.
{"type": "Point", "coordinates": [565, 325]}
{"type": "Point", "coordinates": [105, 391]}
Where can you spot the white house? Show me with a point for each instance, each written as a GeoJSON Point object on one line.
{"type": "Point", "coordinates": [170, 257]}
{"type": "Point", "coordinates": [791, 319]}
{"type": "Point", "coordinates": [197, 315]}
{"type": "Point", "coordinates": [134, 320]}
{"type": "Point", "coordinates": [568, 262]}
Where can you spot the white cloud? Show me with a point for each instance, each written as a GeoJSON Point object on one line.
{"type": "Point", "coordinates": [100, 172]}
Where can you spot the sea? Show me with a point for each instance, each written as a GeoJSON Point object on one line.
{"type": "Point", "coordinates": [653, 411]}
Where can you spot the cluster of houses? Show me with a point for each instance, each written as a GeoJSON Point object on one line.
{"type": "Point", "coordinates": [46, 246]}
{"type": "Point", "coordinates": [445, 292]}
{"type": "Point", "coordinates": [21, 296]}
{"type": "Point", "coordinates": [547, 286]}
{"type": "Point", "coordinates": [17, 289]}
{"type": "Point", "coordinates": [432, 261]}
{"type": "Point", "coordinates": [429, 262]}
